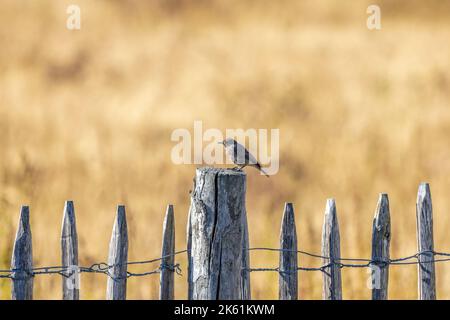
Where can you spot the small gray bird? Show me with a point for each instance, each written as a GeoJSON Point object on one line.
{"type": "Point", "coordinates": [240, 156]}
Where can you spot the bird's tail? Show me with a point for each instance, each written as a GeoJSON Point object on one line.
{"type": "Point", "coordinates": [258, 166]}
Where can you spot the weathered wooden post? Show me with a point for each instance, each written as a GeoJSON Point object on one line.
{"type": "Point", "coordinates": [217, 235]}
{"type": "Point", "coordinates": [188, 249]}
{"type": "Point", "coordinates": [69, 254]}
{"type": "Point", "coordinates": [381, 237]}
{"type": "Point", "coordinates": [332, 284]}
{"type": "Point", "coordinates": [288, 283]}
{"type": "Point", "coordinates": [424, 212]}
{"type": "Point", "coordinates": [22, 259]}
{"type": "Point", "coordinates": [118, 255]}
{"type": "Point", "coordinates": [166, 288]}
{"type": "Point", "coordinates": [246, 294]}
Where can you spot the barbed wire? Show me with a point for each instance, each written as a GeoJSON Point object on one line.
{"type": "Point", "coordinates": [341, 262]}
{"type": "Point", "coordinates": [104, 268]}
{"type": "Point", "coordinates": [101, 268]}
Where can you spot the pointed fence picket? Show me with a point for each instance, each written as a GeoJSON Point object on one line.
{"type": "Point", "coordinates": [22, 259]}
{"type": "Point", "coordinates": [381, 238]}
{"type": "Point", "coordinates": [166, 288]}
{"type": "Point", "coordinates": [69, 254]}
{"type": "Point", "coordinates": [288, 283]}
{"type": "Point", "coordinates": [332, 283]}
{"type": "Point", "coordinates": [118, 258]}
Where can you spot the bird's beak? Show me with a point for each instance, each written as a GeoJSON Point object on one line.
{"type": "Point", "coordinates": [221, 142]}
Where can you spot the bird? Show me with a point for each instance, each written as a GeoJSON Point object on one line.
{"type": "Point", "coordinates": [240, 155]}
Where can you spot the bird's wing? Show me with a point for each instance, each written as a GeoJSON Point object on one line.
{"type": "Point", "coordinates": [243, 156]}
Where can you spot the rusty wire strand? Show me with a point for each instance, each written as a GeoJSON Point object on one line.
{"type": "Point", "coordinates": [104, 268]}
{"type": "Point", "coordinates": [101, 268]}
{"type": "Point", "coordinates": [339, 262]}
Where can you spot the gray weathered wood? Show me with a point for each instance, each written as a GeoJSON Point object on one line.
{"type": "Point", "coordinates": [287, 281]}
{"type": "Point", "coordinates": [332, 284]}
{"type": "Point", "coordinates": [118, 255]}
{"type": "Point", "coordinates": [246, 291]}
{"type": "Point", "coordinates": [381, 238]}
{"type": "Point", "coordinates": [188, 244]}
{"type": "Point", "coordinates": [22, 259]}
{"type": "Point", "coordinates": [189, 251]}
{"type": "Point", "coordinates": [217, 240]}
{"type": "Point", "coordinates": [166, 288]}
{"type": "Point", "coordinates": [69, 254]}
{"type": "Point", "coordinates": [424, 212]}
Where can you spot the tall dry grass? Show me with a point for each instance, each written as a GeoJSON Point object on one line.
{"type": "Point", "coordinates": [87, 115]}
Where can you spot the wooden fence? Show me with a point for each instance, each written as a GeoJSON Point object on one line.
{"type": "Point", "coordinates": [218, 248]}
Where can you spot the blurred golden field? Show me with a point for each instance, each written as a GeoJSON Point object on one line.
{"type": "Point", "coordinates": [87, 115]}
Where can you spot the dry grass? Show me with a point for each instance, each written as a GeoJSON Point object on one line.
{"type": "Point", "coordinates": [87, 116]}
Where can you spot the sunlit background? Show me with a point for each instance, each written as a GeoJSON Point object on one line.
{"type": "Point", "coordinates": [87, 115]}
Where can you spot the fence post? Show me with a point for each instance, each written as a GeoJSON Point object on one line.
{"type": "Point", "coordinates": [118, 255]}
{"type": "Point", "coordinates": [22, 259]}
{"type": "Point", "coordinates": [381, 237]}
{"type": "Point", "coordinates": [246, 294]}
{"type": "Point", "coordinates": [424, 212]}
{"type": "Point", "coordinates": [189, 251]}
{"type": "Point", "coordinates": [166, 289]}
{"type": "Point", "coordinates": [217, 234]}
{"type": "Point", "coordinates": [69, 254]}
{"type": "Point", "coordinates": [332, 284]}
{"type": "Point", "coordinates": [288, 282]}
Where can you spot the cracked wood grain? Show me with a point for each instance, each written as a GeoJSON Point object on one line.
{"type": "Point", "coordinates": [69, 253]}
{"type": "Point", "coordinates": [332, 283]}
{"type": "Point", "coordinates": [217, 236]}
{"type": "Point", "coordinates": [381, 238]}
{"type": "Point", "coordinates": [287, 279]}
{"type": "Point", "coordinates": [424, 212]}
{"type": "Point", "coordinates": [166, 289]}
{"type": "Point", "coordinates": [22, 259]}
{"type": "Point", "coordinates": [118, 255]}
